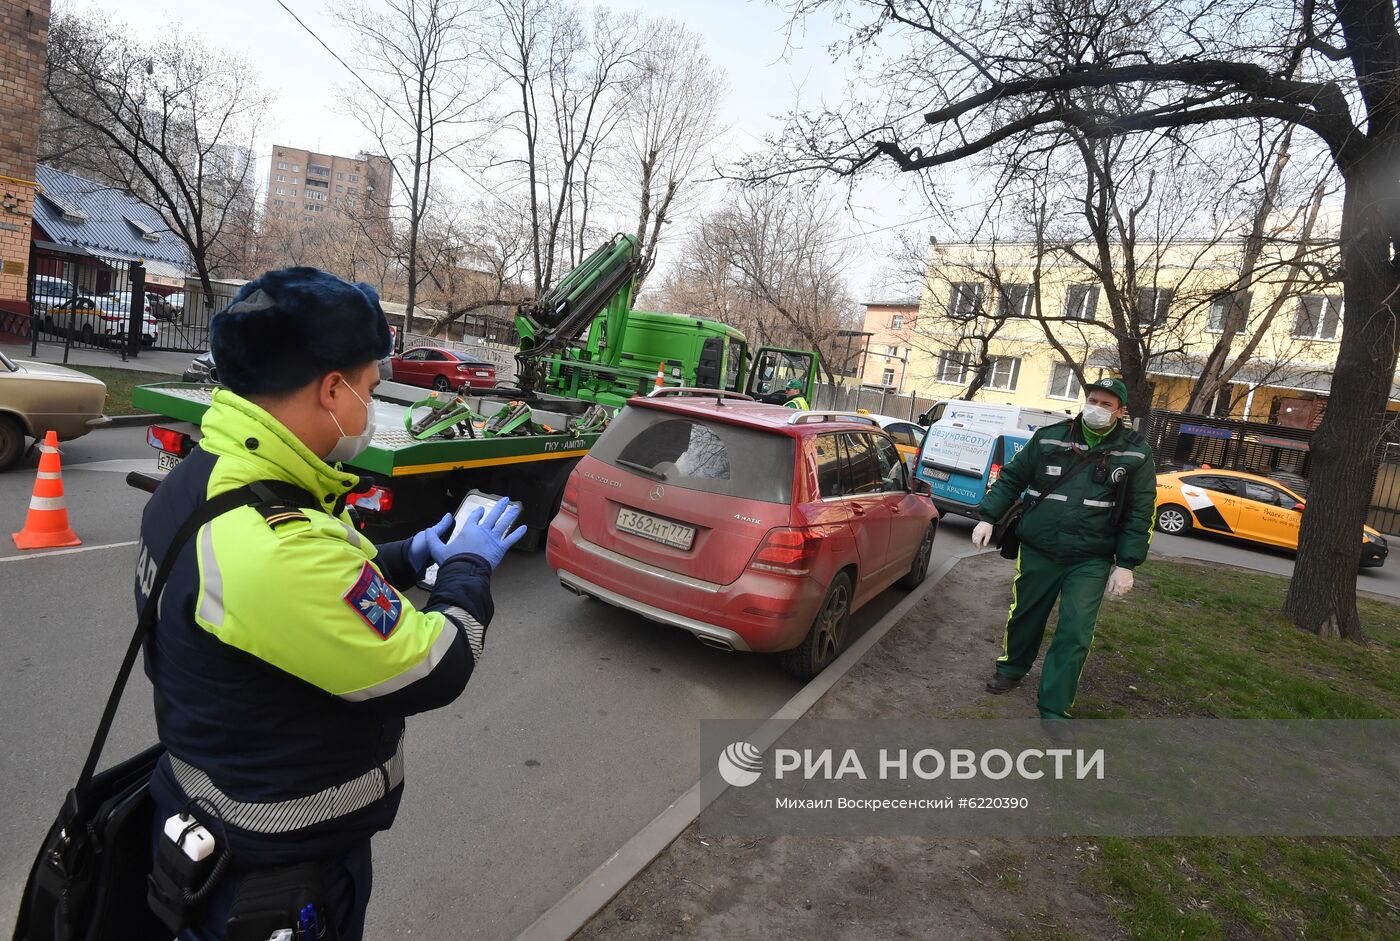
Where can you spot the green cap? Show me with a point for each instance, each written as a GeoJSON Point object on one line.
{"type": "Point", "coordinates": [794, 384]}
{"type": "Point", "coordinates": [1110, 384]}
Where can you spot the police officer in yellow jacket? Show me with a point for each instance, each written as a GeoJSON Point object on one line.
{"type": "Point", "coordinates": [285, 655]}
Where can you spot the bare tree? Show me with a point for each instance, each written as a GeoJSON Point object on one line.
{"type": "Point", "coordinates": [415, 58]}
{"type": "Point", "coordinates": [671, 121]}
{"type": "Point", "coordinates": [172, 121]}
{"type": "Point", "coordinates": [769, 263]}
{"type": "Point", "coordinates": [971, 81]}
{"type": "Point", "coordinates": [570, 79]}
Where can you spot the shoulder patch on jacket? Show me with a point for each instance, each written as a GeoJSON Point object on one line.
{"type": "Point", "coordinates": [279, 514]}
{"type": "Point", "coordinates": [375, 601]}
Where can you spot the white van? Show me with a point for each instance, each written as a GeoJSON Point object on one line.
{"type": "Point", "coordinates": [989, 416]}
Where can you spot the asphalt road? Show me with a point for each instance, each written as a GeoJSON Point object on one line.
{"type": "Point", "coordinates": [581, 726]}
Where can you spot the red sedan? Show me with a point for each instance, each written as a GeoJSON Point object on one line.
{"type": "Point", "coordinates": [442, 369]}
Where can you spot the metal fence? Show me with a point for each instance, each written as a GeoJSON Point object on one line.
{"type": "Point", "coordinates": [90, 302]}
{"type": "Point", "coordinates": [850, 399]}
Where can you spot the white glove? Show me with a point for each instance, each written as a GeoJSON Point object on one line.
{"type": "Point", "coordinates": [1120, 582]}
{"type": "Point", "coordinates": [982, 535]}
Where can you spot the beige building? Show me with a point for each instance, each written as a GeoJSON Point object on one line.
{"type": "Point", "coordinates": [1029, 320]}
{"type": "Point", "coordinates": [305, 186]}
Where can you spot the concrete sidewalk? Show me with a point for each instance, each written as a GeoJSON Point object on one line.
{"type": "Point", "coordinates": [159, 361]}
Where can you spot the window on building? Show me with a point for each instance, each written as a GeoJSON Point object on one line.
{"type": "Point", "coordinates": [296, 168]}
{"type": "Point", "coordinates": [340, 176]}
{"type": "Point", "coordinates": [340, 189]}
{"type": "Point", "coordinates": [964, 300]}
{"type": "Point", "coordinates": [281, 191]}
{"type": "Point", "coordinates": [1154, 304]}
{"type": "Point", "coordinates": [952, 367]}
{"type": "Point", "coordinates": [279, 202]}
{"type": "Point", "coordinates": [1220, 305]}
{"type": "Point", "coordinates": [897, 322]}
{"type": "Point", "coordinates": [292, 192]}
{"type": "Point", "coordinates": [1081, 302]}
{"type": "Point", "coordinates": [281, 178]}
{"type": "Point", "coordinates": [295, 181]}
{"type": "Point", "coordinates": [1015, 300]}
{"type": "Point", "coordinates": [1063, 384]}
{"type": "Point", "coordinates": [1318, 317]}
{"type": "Point", "coordinates": [1002, 373]}
{"type": "Point", "coordinates": [887, 378]}
{"type": "Point", "coordinates": [354, 178]}
{"type": "Point", "coordinates": [891, 351]}
{"type": "Point", "coordinates": [281, 166]}
{"type": "Point", "coordinates": [305, 218]}
{"type": "Point", "coordinates": [352, 190]}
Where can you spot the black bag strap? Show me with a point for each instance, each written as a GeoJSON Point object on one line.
{"type": "Point", "coordinates": [250, 494]}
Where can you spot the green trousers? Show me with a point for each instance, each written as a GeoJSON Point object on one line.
{"type": "Point", "coordinates": [1039, 581]}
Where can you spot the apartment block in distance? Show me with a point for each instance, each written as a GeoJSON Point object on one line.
{"type": "Point", "coordinates": [304, 186]}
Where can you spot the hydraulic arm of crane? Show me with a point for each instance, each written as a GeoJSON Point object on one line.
{"type": "Point", "coordinates": [603, 283]}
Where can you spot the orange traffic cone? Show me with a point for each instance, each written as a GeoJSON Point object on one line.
{"type": "Point", "coordinates": [47, 527]}
{"type": "Point", "coordinates": [661, 375]}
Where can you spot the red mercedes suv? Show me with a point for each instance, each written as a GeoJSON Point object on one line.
{"type": "Point", "coordinates": [752, 526]}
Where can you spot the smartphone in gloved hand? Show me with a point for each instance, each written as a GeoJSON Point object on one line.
{"type": "Point", "coordinates": [473, 499]}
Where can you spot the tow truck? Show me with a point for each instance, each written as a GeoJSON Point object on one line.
{"type": "Point", "coordinates": [583, 353]}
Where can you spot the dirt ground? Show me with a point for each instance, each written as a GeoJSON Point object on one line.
{"type": "Point", "coordinates": [931, 665]}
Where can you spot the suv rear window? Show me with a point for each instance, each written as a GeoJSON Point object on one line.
{"type": "Point", "coordinates": [694, 454]}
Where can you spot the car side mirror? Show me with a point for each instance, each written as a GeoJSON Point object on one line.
{"type": "Point", "coordinates": [1299, 506]}
{"type": "Point", "coordinates": [920, 486]}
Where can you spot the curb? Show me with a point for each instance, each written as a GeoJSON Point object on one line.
{"type": "Point", "coordinates": [131, 421]}
{"type": "Point", "coordinates": [567, 916]}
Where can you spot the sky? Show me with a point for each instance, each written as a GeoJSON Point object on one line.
{"type": "Point", "coordinates": [768, 73]}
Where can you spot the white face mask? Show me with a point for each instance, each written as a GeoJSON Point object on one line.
{"type": "Point", "coordinates": [1097, 417]}
{"type": "Point", "coordinates": [350, 445]}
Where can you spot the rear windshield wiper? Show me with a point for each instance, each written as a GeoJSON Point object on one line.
{"type": "Point", "coordinates": [649, 471]}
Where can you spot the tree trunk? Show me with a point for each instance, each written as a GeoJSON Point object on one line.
{"type": "Point", "coordinates": [1322, 593]}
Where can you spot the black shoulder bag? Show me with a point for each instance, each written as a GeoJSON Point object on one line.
{"type": "Point", "coordinates": [1004, 531]}
{"type": "Point", "coordinates": [88, 882]}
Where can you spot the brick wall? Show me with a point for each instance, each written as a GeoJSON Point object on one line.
{"type": "Point", "coordinates": [24, 26]}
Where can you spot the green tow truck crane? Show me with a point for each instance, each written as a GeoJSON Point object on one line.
{"type": "Point", "coordinates": [583, 353]}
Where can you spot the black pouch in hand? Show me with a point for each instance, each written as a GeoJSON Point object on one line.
{"type": "Point", "coordinates": [1004, 535]}
{"type": "Point", "coordinates": [274, 899]}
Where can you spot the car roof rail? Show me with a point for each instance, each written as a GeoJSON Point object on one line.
{"type": "Point", "coordinates": [810, 417]}
{"type": "Point", "coordinates": [698, 392]}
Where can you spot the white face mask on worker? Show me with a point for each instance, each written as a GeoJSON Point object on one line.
{"type": "Point", "coordinates": [349, 446]}
{"type": "Point", "coordinates": [1098, 417]}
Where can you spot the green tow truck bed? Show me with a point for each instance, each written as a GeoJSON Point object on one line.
{"type": "Point", "coordinates": [428, 478]}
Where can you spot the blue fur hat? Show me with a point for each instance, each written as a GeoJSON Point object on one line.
{"type": "Point", "coordinates": [294, 325]}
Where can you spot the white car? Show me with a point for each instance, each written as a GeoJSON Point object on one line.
{"type": "Point", "coordinates": [100, 319]}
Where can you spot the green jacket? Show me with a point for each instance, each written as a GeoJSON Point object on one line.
{"type": "Point", "coordinates": [1076, 521]}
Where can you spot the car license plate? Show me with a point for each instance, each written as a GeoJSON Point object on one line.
{"type": "Point", "coordinates": [650, 527]}
{"type": "Point", "coordinates": [937, 474]}
{"type": "Point", "coordinates": [166, 461]}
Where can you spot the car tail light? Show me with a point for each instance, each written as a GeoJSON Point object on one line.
{"type": "Point", "coordinates": [375, 499]}
{"type": "Point", "coordinates": [463, 367]}
{"type": "Point", "coordinates": [992, 475]}
{"type": "Point", "coordinates": [570, 499]}
{"type": "Point", "coordinates": [168, 439]}
{"type": "Point", "coordinates": [788, 550]}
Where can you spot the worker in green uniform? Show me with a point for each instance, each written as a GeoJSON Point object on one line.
{"type": "Point", "coordinates": [793, 396]}
{"type": "Point", "coordinates": [1090, 529]}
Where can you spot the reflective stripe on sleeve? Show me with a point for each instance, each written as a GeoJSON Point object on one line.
{"type": "Point", "coordinates": [211, 587]}
{"type": "Point", "coordinates": [414, 673]}
{"type": "Point", "coordinates": [1098, 503]}
{"type": "Point", "coordinates": [299, 812]}
{"type": "Point", "coordinates": [476, 633]}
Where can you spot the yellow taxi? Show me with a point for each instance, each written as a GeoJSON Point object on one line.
{"type": "Point", "coordinates": [1242, 506]}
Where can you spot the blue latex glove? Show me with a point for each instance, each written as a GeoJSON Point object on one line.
{"type": "Point", "coordinates": [419, 553]}
{"type": "Point", "coordinates": [487, 534]}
